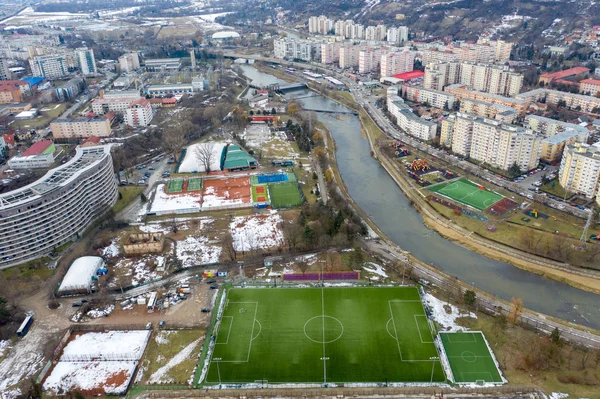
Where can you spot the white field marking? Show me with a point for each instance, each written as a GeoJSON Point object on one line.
{"type": "Point", "coordinates": [259, 331]}
{"type": "Point", "coordinates": [462, 375]}
{"type": "Point", "coordinates": [473, 338]}
{"type": "Point", "coordinates": [398, 341]}
{"type": "Point", "coordinates": [419, 329]}
{"type": "Point", "coordinates": [469, 355]}
{"type": "Point", "coordinates": [323, 317]}
{"type": "Point", "coordinates": [387, 327]}
{"type": "Point", "coordinates": [228, 333]}
{"type": "Point", "coordinates": [451, 187]}
{"type": "Point", "coordinates": [251, 335]}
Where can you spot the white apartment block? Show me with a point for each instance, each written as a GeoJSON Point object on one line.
{"type": "Point", "coordinates": [484, 78]}
{"type": "Point", "coordinates": [139, 113]}
{"type": "Point", "coordinates": [486, 52]}
{"type": "Point", "coordinates": [4, 72]}
{"type": "Point", "coordinates": [550, 127]}
{"type": "Point", "coordinates": [118, 105]}
{"type": "Point", "coordinates": [349, 55]}
{"type": "Point", "coordinates": [369, 59]}
{"type": "Point", "coordinates": [580, 169]}
{"type": "Point", "coordinates": [397, 62]}
{"type": "Point", "coordinates": [446, 131]}
{"type": "Point", "coordinates": [320, 24]}
{"type": "Point", "coordinates": [49, 66]}
{"type": "Point", "coordinates": [502, 145]}
{"type": "Point", "coordinates": [462, 135]}
{"type": "Point", "coordinates": [330, 52]}
{"type": "Point", "coordinates": [129, 62]}
{"type": "Point", "coordinates": [397, 35]}
{"type": "Point", "coordinates": [435, 98]}
{"type": "Point", "coordinates": [573, 101]}
{"type": "Point", "coordinates": [86, 61]}
{"type": "Point", "coordinates": [409, 122]}
{"type": "Point", "coordinates": [371, 33]}
{"type": "Point", "coordinates": [290, 49]}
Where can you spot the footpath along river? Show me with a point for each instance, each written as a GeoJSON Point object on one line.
{"type": "Point", "coordinates": [378, 195]}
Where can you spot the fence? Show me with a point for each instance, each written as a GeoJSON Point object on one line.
{"type": "Point", "coordinates": [324, 276]}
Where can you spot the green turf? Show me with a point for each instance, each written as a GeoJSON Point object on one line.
{"type": "Point", "coordinates": [195, 185]}
{"type": "Point", "coordinates": [291, 177]}
{"type": "Point", "coordinates": [468, 193]}
{"type": "Point", "coordinates": [280, 335]}
{"type": "Point", "coordinates": [253, 180]}
{"type": "Point", "coordinates": [265, 194]}
{"type": "Point", "coordinates": [284, 195]}
{"type": "Point", "coordinates": [175, 186]}
{"type": "Point", "coordinates": [470, 358]}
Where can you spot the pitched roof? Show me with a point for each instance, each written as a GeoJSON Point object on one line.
{"type": "Point", "coordinates": [11, 84]}
{"type": "Point", "coordinates": [37, 148]}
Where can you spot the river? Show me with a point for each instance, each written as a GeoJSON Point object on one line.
{"type": "Point", "coordinates": [378, 195]}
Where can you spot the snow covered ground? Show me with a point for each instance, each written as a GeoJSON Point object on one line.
{"type": "Point", "coordinates": [211, 200]}
{"type": "Point", "coordinates": [197, 250]}
{"type": "Point", "coordinates": [164, 202]}
{"type": "Point", "coordinates": [111, 345]}
{"type": "Point", "coordinates": [160, 376]}
{"type": "Point", "coordinates": [444, 318]}
{"type": "Point", "coordinates": [100, 312]}
{"type": "Point", "coordinates": [192, 164]}
{"type": "Point", "coordinates": [4, 346]}
{"type": "Point", "coordinates": [375, 269]}
{"type": "Point", "coordinates": [90, 377]}
{"type": "Point", "coordinates": [256, 232]}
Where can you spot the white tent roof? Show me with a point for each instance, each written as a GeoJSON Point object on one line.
{"type": "Point", "coordinates": [79, 276]}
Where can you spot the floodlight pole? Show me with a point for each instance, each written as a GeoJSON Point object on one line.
{"type": "Point", "coordinates": [219, 373]}
{"type": "Point", "coordinates": [432, 368]}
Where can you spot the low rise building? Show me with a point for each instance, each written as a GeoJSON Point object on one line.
{"type": "Point", "coordinates": [163, 64]}
{"type": "Point", "coordinates": [409, 122]}
{"type": "Point", "coordinates": [590, 87]}
{"type": "Point", "coordinates": [39, 155]}
{"type": "Point", "coordinates": [547, 78]}
{"type": "Point", "coordinates": [69, 90]}
{"type": "Point", "coordinates": [168, 90]}
{"type": "Point", "coordinates": [461, 91]}
{"type": "Point", "coordinates": [81, 128]}
{"type": "Point", "coordinates": [13, 91]}
{"type": "Point", "coordinates": [488, 110]}
{"type": "Point", "coordinates": [435, 98]}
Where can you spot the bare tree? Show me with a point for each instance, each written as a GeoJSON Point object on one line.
{"type": "Point", "coordinates": [292, 233]}
{"type": "Point", "coordinates": [228, 247]}
{"type": "Point", "coordinates": [174, 140]}
{"type": "Point", "coordinates": [205, 155]}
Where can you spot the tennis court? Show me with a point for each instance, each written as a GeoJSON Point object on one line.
{"type": "Point", "coordinates": [470, 358]}
{"type": "Point", "coordinates": [468, 193]}
{"type": "Point", "coordinates": [175, 186]}
{"type": "Point", "coordinates": [195, 184]}
{"type": "Point", "coordinates": [285, 195]}
{"type": "Point", "coordinates": [260, 193]}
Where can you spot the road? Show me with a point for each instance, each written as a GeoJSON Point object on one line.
{"type": "Point", "coordinates": [367, 101]}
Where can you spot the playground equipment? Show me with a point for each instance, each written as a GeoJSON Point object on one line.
{"type": "Point", "coordinates": [449, 175]}
{"type": "Point", "coordinates": [402, 153]}
{"type": "Point", "coordinates": [420, 165]}
{"type": "Point", "coordinates": [532, 213]}
{"type": "Point", "coordinates": [595, 237]}
{"type": "Point", "coordinates": [397, 145]}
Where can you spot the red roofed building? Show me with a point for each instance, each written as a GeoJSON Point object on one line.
{"type": "Point", "coordinates": [13, 91]}
{"type": "Point", "coordinates": [590, 87]}
{"type": "Point", "coordinates": [9, 140]}
{"type": "Point", "coordinates": [39, 155]}
{"type": "Point", "coordinates": [408, 76]}
{"type": "Point", "coordinates": [572, 72]}
{"type": "Point", "coordinates": [263, 118]}
{"type": "Point", "coordinates": [40, 147]}
{"type": "Point", "coordinates": [91, 141]}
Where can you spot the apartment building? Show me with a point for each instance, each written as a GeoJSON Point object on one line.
{"type": "Point", "coordinates": [78, 128]}
{"type": "Point", "coordinates": [330, 52]}
{"type": "Point", "coordinates": [580, 169]}
{"type": "Point", "coordinates": [435, 98]}
{"type": "Point", "coordinates": [291, 49]}
{"type": "Point", "coordinates": [485, 78]}
{"type": "Point", "coordinates": [132, 94]}
{"type": "Point", "coordinates": [578, 102]}
{"type": "Point", "coordinates": [57, 208]}
{"type": "Point", "coordinates": [488, 110]}
{"type": "Point", "coordinates": [163, 64]}
{"type": "Point", "coordinates": [397, 62]}
{"type": "Point", "coordinates": [49, 66]}
{"type": "Point", "coordinates": [550, 127]}
{"type": "Point", "coordinates": [118, 105]}
{"type": "Point", "coordinates": [70, 89]}
{"type": "Point", "coordinates": [557, 135]}
{"type": "Point", "coordinates": [462, 135]}
{"type": "Point", "coordinates": [86, 61]}
{"type": "Point", "coordinates": [13, 91]}
{"type": "Point", "coordinates": [320, 24]}
{"type": "Point", "coordinates": [409, 122]}
{"type": "Point", "coordinates": [461, 91]}
{"type": "Point", "coordinates": [446, 130]}
{"type": "Point", "coordinates": [502, 145]}
{"type": "Point", "coordinates": [349, 55]}
{"type": "Point", "coordinates": [590, 87]}
{"type": "Point", "coordinates": [4, 71]}
{"type": "Point", "coordinates": [397, 35]}
{"type": "Point", "coordinates": [369, 59]}
{"type": "Point", "coordinates": [129, 62]}
{"type": "Point", "coordinates": [139, 113]}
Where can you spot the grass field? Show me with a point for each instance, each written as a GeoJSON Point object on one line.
{"type": "Point", "coordinates": [284, 195]}
{"type": "Point", "coordinates": [470, 358]}
{"type": "Point", "coordinates": [319, 335]}
{"type": "Point", "coordinates": [195, 185]}
{"type": "Point", "coordinates": [175, 186]}
{"type": "Point", "coordinates": [468, 193]}
{"type": "Point", "coordinates": [260, 193]}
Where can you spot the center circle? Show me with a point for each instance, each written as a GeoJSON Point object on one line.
{"type": "Point", "coordinates": [469, 357]}
{"type": "Point", "coordinates": [323, 329]}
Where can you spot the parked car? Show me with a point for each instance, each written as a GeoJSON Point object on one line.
{"type": "Point", "coordinates": [77, 304]}
{"type": "Point", "coordinates": [211, 281]}
{"type": "Point", "coordinates": [161, 324]}
{"type": "Point", "coordinates": [148, 326]}
{"type": "Point", "coordinates": [214, 287]}
{"type": "Point", "coordinates": [205, 310]}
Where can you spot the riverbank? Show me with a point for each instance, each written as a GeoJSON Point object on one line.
{"type": "Point", "coordinates": [466, 239]}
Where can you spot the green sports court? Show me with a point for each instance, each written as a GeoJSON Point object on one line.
{"type": "Point", "coordinates": [468, 193]}
{"type": "Point", "coordinates": [285, 195]}
{"type": "Point", "coordinates": [260, 193]}
{"type": "Point", "coordinates": [470, 358]}
{"type": "Point", "coordinates": [324, 335]}
{"type": "Point", "coordinates": [195, 184]}
{"type": "Point", "coordinates": [175, 186]}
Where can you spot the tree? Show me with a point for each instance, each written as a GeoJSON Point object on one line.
{"type": "Point", "coordinates": [292, 233]}
{"type": "Point", "coordinates": [143, 197]}
{"type": "Point", "coordinates": [470, 297]}
{"type": "Point", "coordinates": [303, 266]}
{"type": "Point", "coordinates": [4, 313]}
{"type": "Point", "coordinates": [555, 337]}
{"type": "Point", "coordinates": [515, 310]}
{"type": "Point", "coordinates": [293, 109]}
{"type": "Point", "coordinates": [174, 140]}
{"type": "Point", "coordinates": [273, 111]}
{"type": "Point", "coordinates": [205, 155]}
{"type": "Point", "coordinates": [514, 170]}
{"type": "Point", "coordinates": [228, 247]}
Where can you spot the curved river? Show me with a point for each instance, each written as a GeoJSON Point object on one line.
{"type": "Point", "coordinates": [378, 195]}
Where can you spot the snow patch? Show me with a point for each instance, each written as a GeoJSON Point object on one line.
{"type": "Point", "coordinates": [376, 269]}
{"type": "Point", "coordinates": [256, 232]}
{"type": "Point", "coordinates": [442, 317]}
{"type": "Point", "coordinates": [159, 375]}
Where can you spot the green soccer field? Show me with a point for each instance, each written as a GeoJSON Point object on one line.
{"type": "Point", "coordinates": [468, 193]}
{"type": "Point", "coordinates": [284, 195]}
{"type": "Point", "coordinates": [320, 335]}
{"type": "Point", "coordinates": [175, 186]}
{"type": "Point", "coordinates": [470, 358]}
{"type": "Point", "coordinates": [195, 185]}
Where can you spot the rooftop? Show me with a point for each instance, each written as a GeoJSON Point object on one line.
{"type": "Point", "coordinates": [566, 135]}
{"type": "Point", "coordinates": [409, 75]}
{"type": "Point", "coordinates": [237, 158]}
{"type": "Point", "coordinates": [595, 82]}
{"type": "Point", "coordinates": [37, 148]}
{"type": "Point", "coordinates": [11, 84]}
{"type": "Point", "coordinates": [565, 73]}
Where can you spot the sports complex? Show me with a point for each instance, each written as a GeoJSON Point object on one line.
{"type": "Point", "coordinates": [335, 335]}
{"type": "Point", "coordinates": [468, 193]}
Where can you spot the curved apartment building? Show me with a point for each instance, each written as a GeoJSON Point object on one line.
{"type": "Point", "coordinates": [57, 208]}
